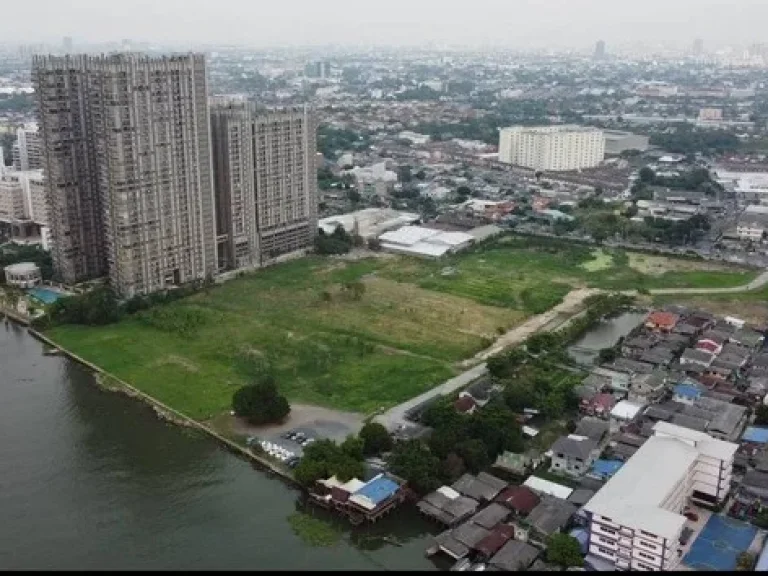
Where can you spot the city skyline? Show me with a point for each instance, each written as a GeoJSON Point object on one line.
{"type": "Point", "coordinates": [516, 23]}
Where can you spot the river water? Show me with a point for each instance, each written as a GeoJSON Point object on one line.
{"type": "Point", "coordinates": [604, 335]}
{"type": "Point", "coordinates": [93, 480]}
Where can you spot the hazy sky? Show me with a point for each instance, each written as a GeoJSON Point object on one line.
{"type": "Point", "coordinates": [519, 23]}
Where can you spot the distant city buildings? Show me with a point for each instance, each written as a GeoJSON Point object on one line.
{"type": "Point", "coordinates": [319, 69]}
{"type": "Point", "coordinates": [126, 142]}
{"type": "Point", "coordinates": [698, 47]}
{"type": "Point", "coordinates": [711, 114]}
{"type": "Point", "coordinates": [66, 44]}
{"type": "Point", "coordinates": [266, 183]}
{"type": "Point", "coordinates": [600, 50]}
{"type": "Point", "coordinates": [554, 148]}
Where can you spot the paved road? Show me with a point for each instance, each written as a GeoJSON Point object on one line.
{"type": "Point", "coordinates": [571, 305]}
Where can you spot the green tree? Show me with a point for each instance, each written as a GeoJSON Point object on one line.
{"type": "Point", "coordinates": [474, 454]}
{"type": "Point", "coordinates": [761, 415]}
{"type": "Point", "coordinates": [453, 467]}
{"type": "Point", "coordinates": [519, 395]}
{"type": "Point", "coordinates": [505, 363]}
{"type": "Point", "coordinates": [325, 458]}
{"type": "Point", "coordinates": [647, 175]}
{"type": "Point", "coordinates": [376, 439]}
{"type": "Point", "coordinates": [607, 355]}
{"type": "Point", "coordinates": [260, 403]}
{"type": "Point", "coordinates": [414, 462]}
{"type": "Point", "coordinates": [353, 447]}
{"type": "Point", "coordinates": [564, 550]}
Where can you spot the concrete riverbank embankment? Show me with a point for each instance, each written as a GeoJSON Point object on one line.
{"type": "Point", "coordinates": [162, 410]}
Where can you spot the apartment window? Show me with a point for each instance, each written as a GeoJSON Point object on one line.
{"type": "Point", "coordinates": [646, 556]}
{"type": "Point", "coordinates": [605, 551]}
{"type": "Point", "coordinates": [648, 534]}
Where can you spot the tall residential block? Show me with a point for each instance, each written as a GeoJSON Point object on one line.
{"type": "Point", "coordinates": [27, 150]}
{"type": "Point", "coordinates": [554, 148]}
{"type": "Point", "coordinates": [266, 182]}
{"type": "Point", "coordinates": [126, 141]}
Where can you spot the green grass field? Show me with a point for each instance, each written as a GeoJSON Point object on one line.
{"type": "Point", "coordinates": [414, 322]}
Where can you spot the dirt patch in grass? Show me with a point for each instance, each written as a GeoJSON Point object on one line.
{"type": "Point", "coordinates": [601, 261]}
{"type": "Point", "coordinates": [660, 265]}
{"type": "Point", "coordinates": [175, 360]}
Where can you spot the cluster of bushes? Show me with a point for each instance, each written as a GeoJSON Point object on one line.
{"type": "Point", "coordinates": [102, 306]}
{"type": "Point", "coordinates": [338, 242]}
{"type": "Point", "coordinates": [182, 321]}
{"type": "Point", "coordinates": [458, 443]}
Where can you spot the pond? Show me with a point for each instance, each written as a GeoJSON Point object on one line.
{"type": "Point", "coordinates": [604, 335]}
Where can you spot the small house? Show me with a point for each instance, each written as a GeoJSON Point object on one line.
{"type": "Point", "coordinates": [661, 321]}
{"type": "Point", "coordinates": [573, 455]}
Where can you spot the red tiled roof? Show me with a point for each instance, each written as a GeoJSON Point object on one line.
{"type": "Point", "coordinates": [605, 401]}
{"type": "Point", "coordinates": [707, 345]}
{"type": "Point", "coordinates": [519, 498]}
{"type": "Point", "coordinates": [464, 404]}
{"type": "Point", "coordinates": [492, 543]}
{"type": "Point", "coordinates": [663, 318]}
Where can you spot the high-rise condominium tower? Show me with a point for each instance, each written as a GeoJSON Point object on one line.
{"type": "Point", "coordinates": [266, 183]}
{"type": "Point", "coordinates": [126, 142]}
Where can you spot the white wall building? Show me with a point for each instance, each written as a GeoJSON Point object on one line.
{"type": "Point", "coordinates": [22, 197]}
{"type": "Point", "coordinates": [554, 148]}
{"type": "Point", "coordinates": [753, 223]}
{"type": "Point", "coordinates": [636, 519]}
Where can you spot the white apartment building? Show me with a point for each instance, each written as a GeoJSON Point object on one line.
{"type": "Point", "coordinates": [636, 519]}
{"type": "Point", "coordinates": [552, 148]}
{"type": "Point", "coordinates": [27, 150]}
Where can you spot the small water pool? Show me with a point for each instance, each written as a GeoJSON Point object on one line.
{"type": "Point", "coordinates": [45, 295]}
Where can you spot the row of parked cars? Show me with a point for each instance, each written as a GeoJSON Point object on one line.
{"type": "Point", "coordinates": [299, 437]}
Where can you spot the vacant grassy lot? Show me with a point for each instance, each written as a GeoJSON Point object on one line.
{"type": "Point", "coordinates": [534, 275]}
{"type": "Point", "coordinates": [404, 334]}
{"type": "Point", "coordinates": [295, 320]}
{"type": "Point", "coordinates": [749, 306]}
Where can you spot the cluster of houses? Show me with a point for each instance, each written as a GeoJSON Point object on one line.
{"type": "Point", "coordinates": [681, 389]}
{"type": "Point", "coordinates": [358, 500]}
{"type": "Point", "coordinates": [494, 525]}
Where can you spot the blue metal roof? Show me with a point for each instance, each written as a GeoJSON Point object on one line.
{"type": "Point", "coordinates": [606, 468]}
{"type": "Point", "coordinates": [379, 489]}
{"type": "Point", "coordinates": [687, 391]}
{"type": "Point", "coordinates": [756, 435]}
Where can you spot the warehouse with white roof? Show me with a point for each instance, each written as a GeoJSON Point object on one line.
{"type": "Point", "coordinates": [420, 241]}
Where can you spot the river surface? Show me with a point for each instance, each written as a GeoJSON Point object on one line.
{"type": "Point", "coordinates": [93, 480]}
{"type": "Point", "coordinates": [604, 335]}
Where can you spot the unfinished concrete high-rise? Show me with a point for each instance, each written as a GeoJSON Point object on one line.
{"type": "Point", "coordinates": [266, 182]}
{"type": "Point", "coordinates": [127, 150]}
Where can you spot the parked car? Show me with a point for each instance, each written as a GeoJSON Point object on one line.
{"type": "Point", "coordinates": [691, 515]}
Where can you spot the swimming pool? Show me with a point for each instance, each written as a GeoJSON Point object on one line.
{"type": "Point", "coordinates": [45, 295]}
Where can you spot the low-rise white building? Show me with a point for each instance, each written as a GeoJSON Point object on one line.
{"type": "Point", "coordinates": [753, 223]}
{"type": "Point", "coordinates": [419, 241]}
{"type": "Point", "coordinates": [23, 275]}
{"type": "Point", "coordinates": [636, 519]}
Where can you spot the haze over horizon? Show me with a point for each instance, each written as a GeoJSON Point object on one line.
{"type": "Point", "coordinates": [513, 23]}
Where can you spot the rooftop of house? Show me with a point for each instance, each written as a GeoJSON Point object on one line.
{"type": "Point", "coordinates": [662, 319]}
{"type": "Point", "coordinates": [571, 448]}
{"type": "Point", "coordinates": [514, 556]}
{"type": "Point", "coordinates": [551, 515]}
{"type": "Point", "coordinates": [593, 428]}
{"type": "Point", "coordinates": [687, 391]}
{"type": "Point", "coordinates": [480, 487]}
{"type": "Point", "coordinates": [519, 498]}
{"type": "Point", "coordinates": [695, 355]}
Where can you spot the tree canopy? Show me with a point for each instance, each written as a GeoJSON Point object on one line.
{"type": "Point", "coordinates": [564, 550]}
{"type": "Point", "coordinates": [376, 439]}
{"type": "Point", "coordinates": [325, 458]}
{"type": "Point", "coordinates": [260, 403]}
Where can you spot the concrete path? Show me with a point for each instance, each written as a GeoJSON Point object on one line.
{"type": "Point", "coordinates": [570, 306]}
{"type": "Point", "coordinates": [756, 284]}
